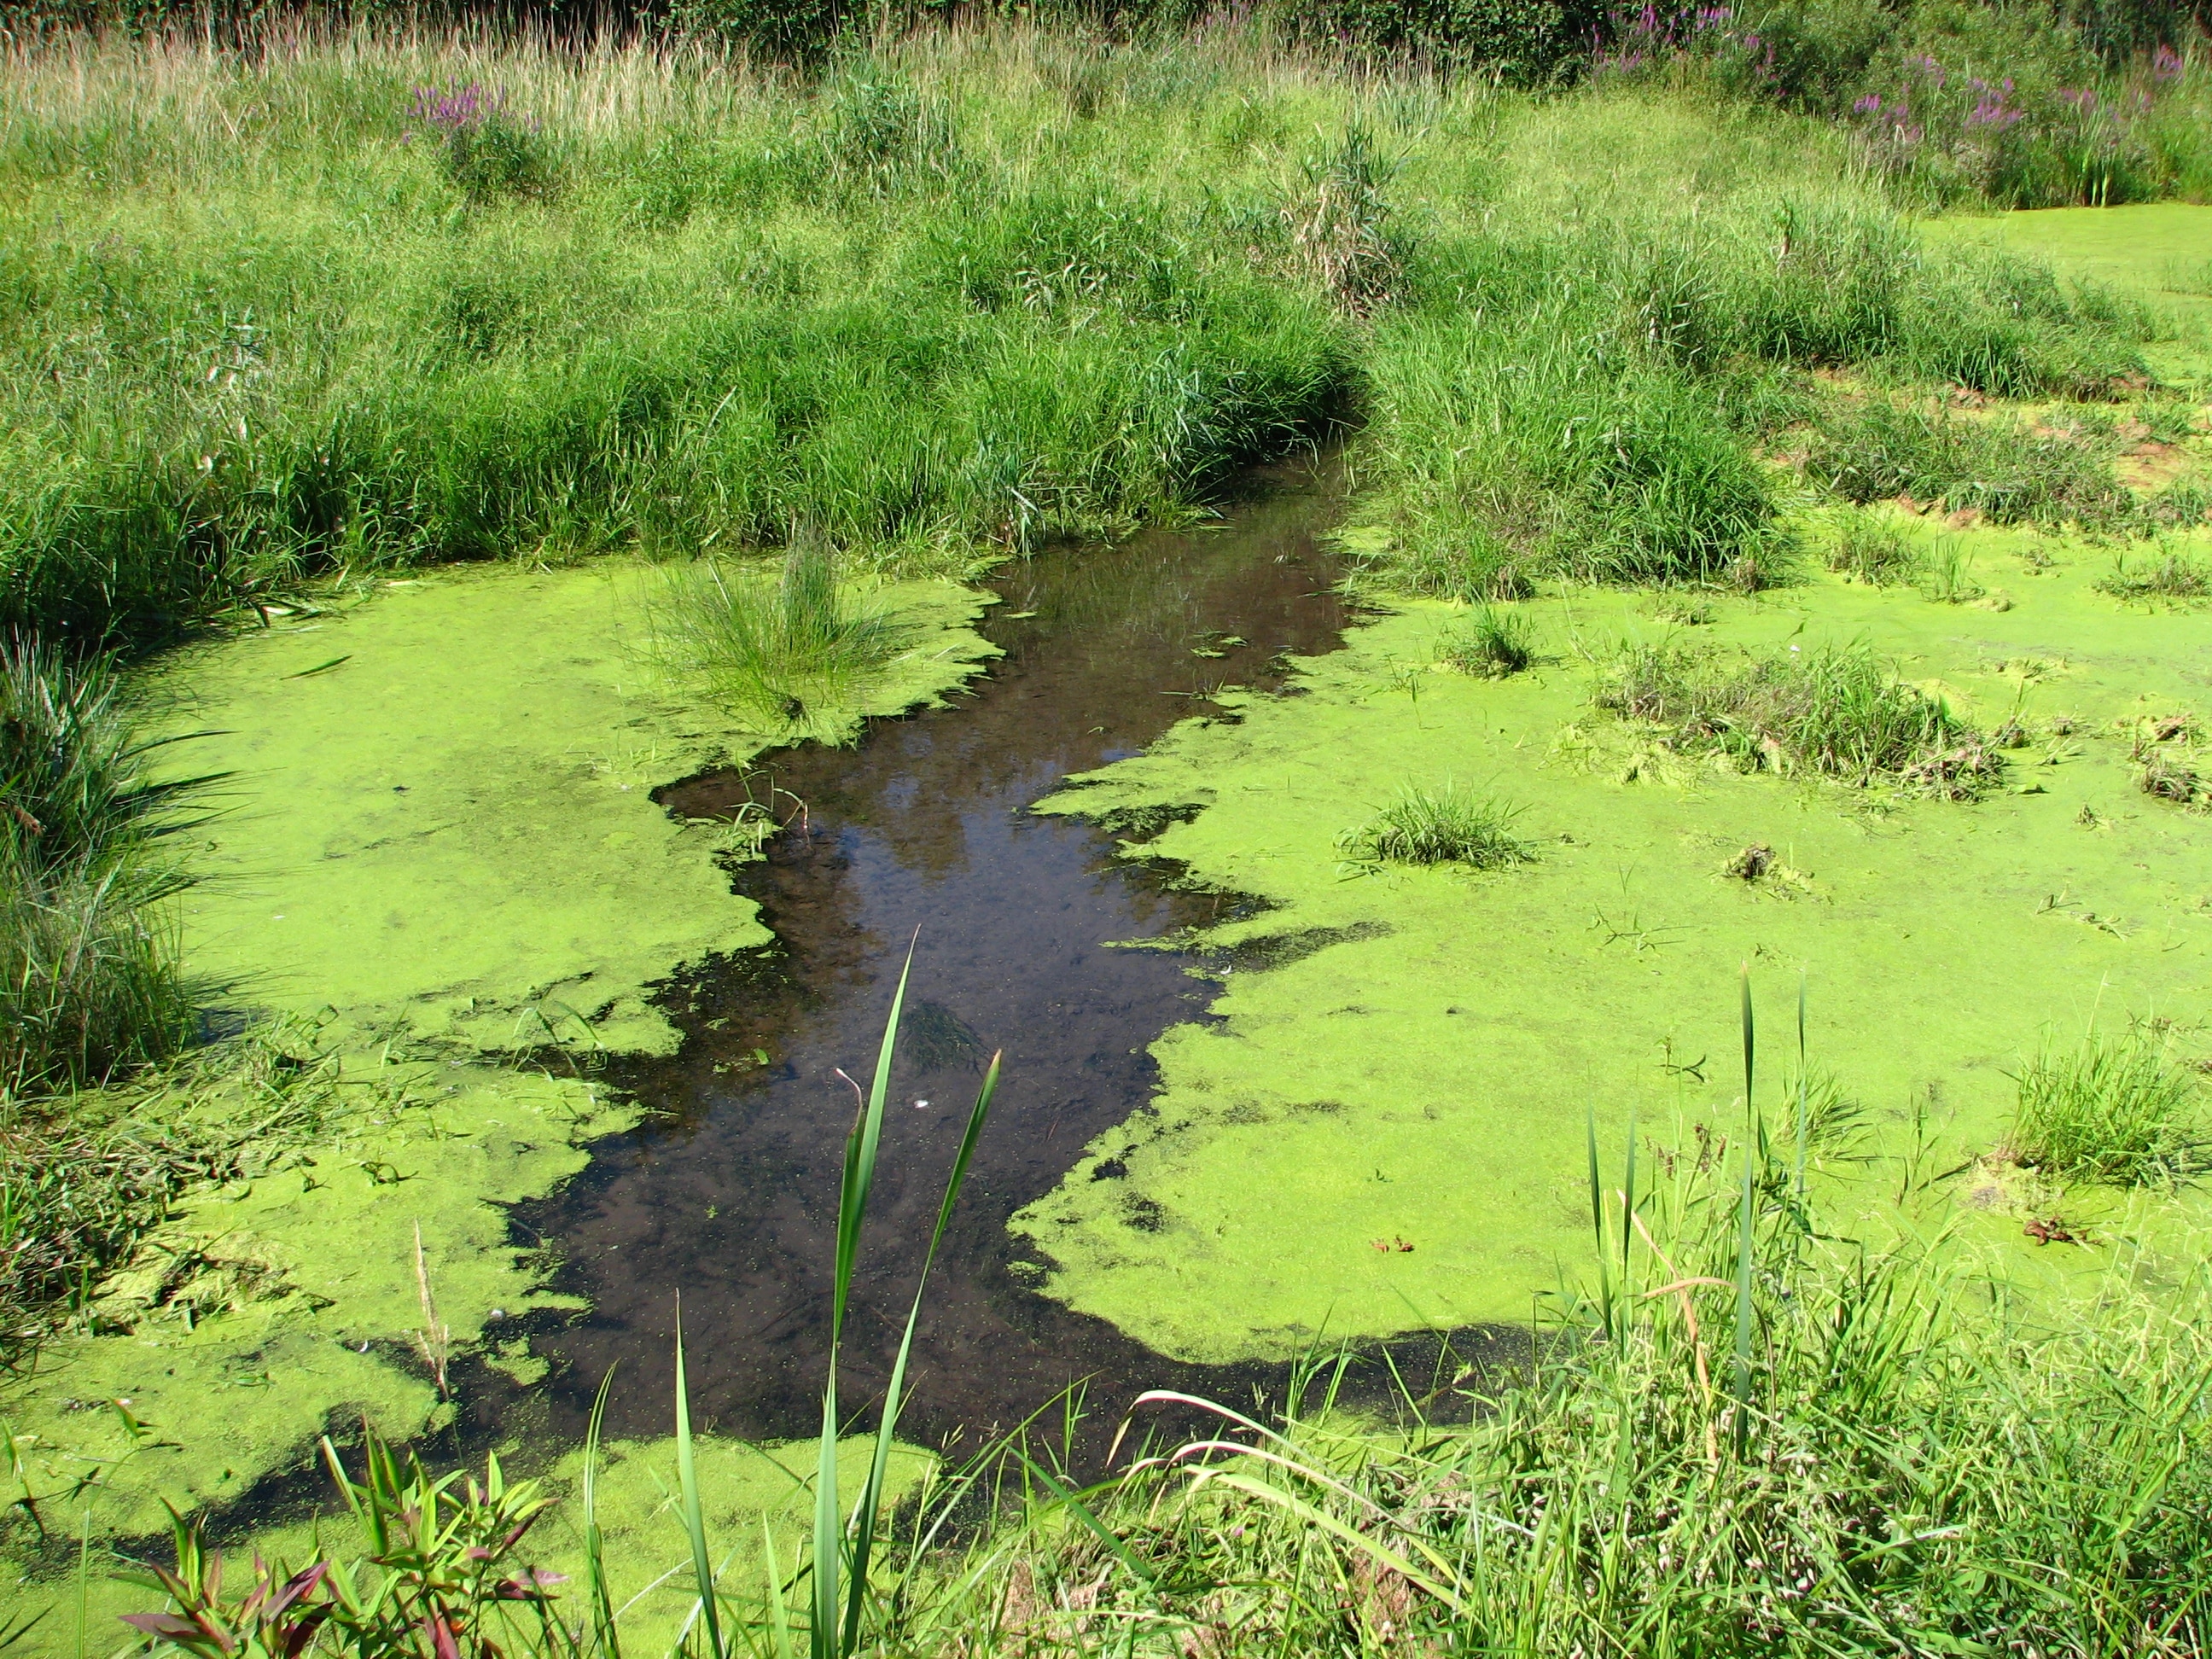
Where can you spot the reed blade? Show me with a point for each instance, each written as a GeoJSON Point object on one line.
{"type": "Point", "coordinates": [595, 1568]}
{"type": "Point", "coordinates": [695, 1519]}
{"type": "Point", "coordinates": [871, 1497]}
{"type": "Point", "coordinates": [1804, 1126]}
{"type": "Point", "coordinates": [1744, 1221]}
{"type": "Point", "coordinates": [860, 1149]}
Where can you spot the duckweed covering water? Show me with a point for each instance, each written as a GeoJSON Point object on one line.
{"type": "Point", "coordinates": [444, 846]}
{"type": "Point", "coordinates": [1426, 1079]}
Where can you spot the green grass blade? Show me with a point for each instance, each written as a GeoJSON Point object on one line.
{"type": "Point", "coordinates": [1597, 1223]}
{"type": "Point", "coordinates": [1628, 1204]}
{"type": "Point", "coordinates": [1804, 1125]}
{"type": "Point", "coordinates": [872, 1498]}
{"type": "Point", "coordinates": [1743, 1257]}
{"type": "Point", "coordinates": [860, 1149]}
{"type": "Point", "coordinates": [595, 1568]}
{"type": "Point", "coordinates": [695, 1521]}
{"type": "Point", "coordinates": [779, 1613]}
{"type": "Point", "coordinates": [1065, 1495]}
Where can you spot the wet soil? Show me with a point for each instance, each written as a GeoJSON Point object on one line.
{"type": "Point", "coordinates": [728, 1195]}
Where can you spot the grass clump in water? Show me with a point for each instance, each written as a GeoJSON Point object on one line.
{"type": "Point", "coordinates": [90, 983]}
{"type": "Point", "coordinates": [1870, 551]}
{"type": "Point", "coordinates": [780, 647]}
{"type": "Point", "coordinates": [1446, 825]}
{"type": "Point", "coordinates": [1492, 644]}
{"type": "Point", "coordinates": [2172, 577]}
{"type": "Point", "coordinates": [1838, 711]}
{"type": "Point", "coordinates": [2121, 1110]}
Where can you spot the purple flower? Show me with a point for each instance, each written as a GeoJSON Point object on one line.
{"type": "Point", "coordinates": [451, 111]}
{"type": "Point", "coordinates": [2165, 64]}
{"type": "Point", "coordinates": [1993, 112]}
{"type": "Point", "coordinates": [1870, 105]}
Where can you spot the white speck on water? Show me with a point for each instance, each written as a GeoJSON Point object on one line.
{"type": "Point", "coordinates": [920, 1105]}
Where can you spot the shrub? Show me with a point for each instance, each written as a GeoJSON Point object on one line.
{"type": "Point", "coordinates": [2121, 1110]}
{"type": "Point", "coordinates": [1448, 825]}
{"type": "Point", "coordinates": [1341, 228]}
{"type": "Point", "coordinates": [778, 647]}
{"type": "Point", "coordinates": [1493, 644]}
{"type": "Point", "coordinates": [1836, 711]}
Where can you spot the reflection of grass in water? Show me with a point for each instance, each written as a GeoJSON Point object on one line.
{"type": "Point", "coordinates": [777, 647]}
{"type": "Point", "coordinates": [1441, 826]}
{"type": "Point", "coordinates": [1836, 710]}
{"type": "Point", "coordinates": [2118, 1109]}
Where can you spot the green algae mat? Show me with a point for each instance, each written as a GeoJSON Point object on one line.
{"type": "Point", "coordinates": [435, 852]}
{"type": "Point", "coordinates": [1387, 1128]}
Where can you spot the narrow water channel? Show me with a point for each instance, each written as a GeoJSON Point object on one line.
{"type": "Point", "coordinates": [729, 1193]}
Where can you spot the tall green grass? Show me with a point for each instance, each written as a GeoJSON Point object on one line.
{"type": "Point", "coordinates": [2124, 1110]}
{"type": "Point", "coordinates": [960, 293]}
{"type": "Point", "coordinates": [90, 982]}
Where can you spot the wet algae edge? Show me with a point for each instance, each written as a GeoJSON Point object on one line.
{"type": "Point", "coordinates": [438, 840]}
{"type": "Point", "coordinates": [1424, 1077]}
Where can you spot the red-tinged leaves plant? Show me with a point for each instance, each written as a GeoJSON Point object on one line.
{"type": "Point", "coordinates": [437, 1575]}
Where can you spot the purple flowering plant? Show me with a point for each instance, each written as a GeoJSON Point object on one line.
{"type": "Point", "coordinates": [486, 148]}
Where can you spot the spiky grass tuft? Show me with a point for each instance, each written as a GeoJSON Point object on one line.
{"type": "Point", "coordinates": [2122, 1110]}
{"type": "Point", "coordinates": [90, 980]}
{"type": "Point", "coordinates": [777, 647]}
{"type": "Point", "coordinates": [1492, 644]}
{"type": "Point", "coordinates": [1445, 825]}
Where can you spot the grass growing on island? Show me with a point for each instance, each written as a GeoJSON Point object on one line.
{"type": "Point", "coordinates": [2122, 1109]}
{"type": "Point", "coordinates": [776, 645]}
{"type": "Point", "coordinates": [1879, 553]}
{"type": "Point", "coordinates": [1492, 644]}
{"type": "Point", "coordinates": [1447, 824]}
{"type": "Point", "coordinates": [1836, 711]}
{"type": "Point", "coordinates": [2172, 576]}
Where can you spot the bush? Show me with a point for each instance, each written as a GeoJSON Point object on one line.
{"type": "Point", "coordinates": [1448, 826]}
{"type": "Point", "coordinates": [1836, 711]}
{"type": "Point", "coordinates": [486, 150]}
{"type": "Point", "coordinates": [2122, 1110]}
